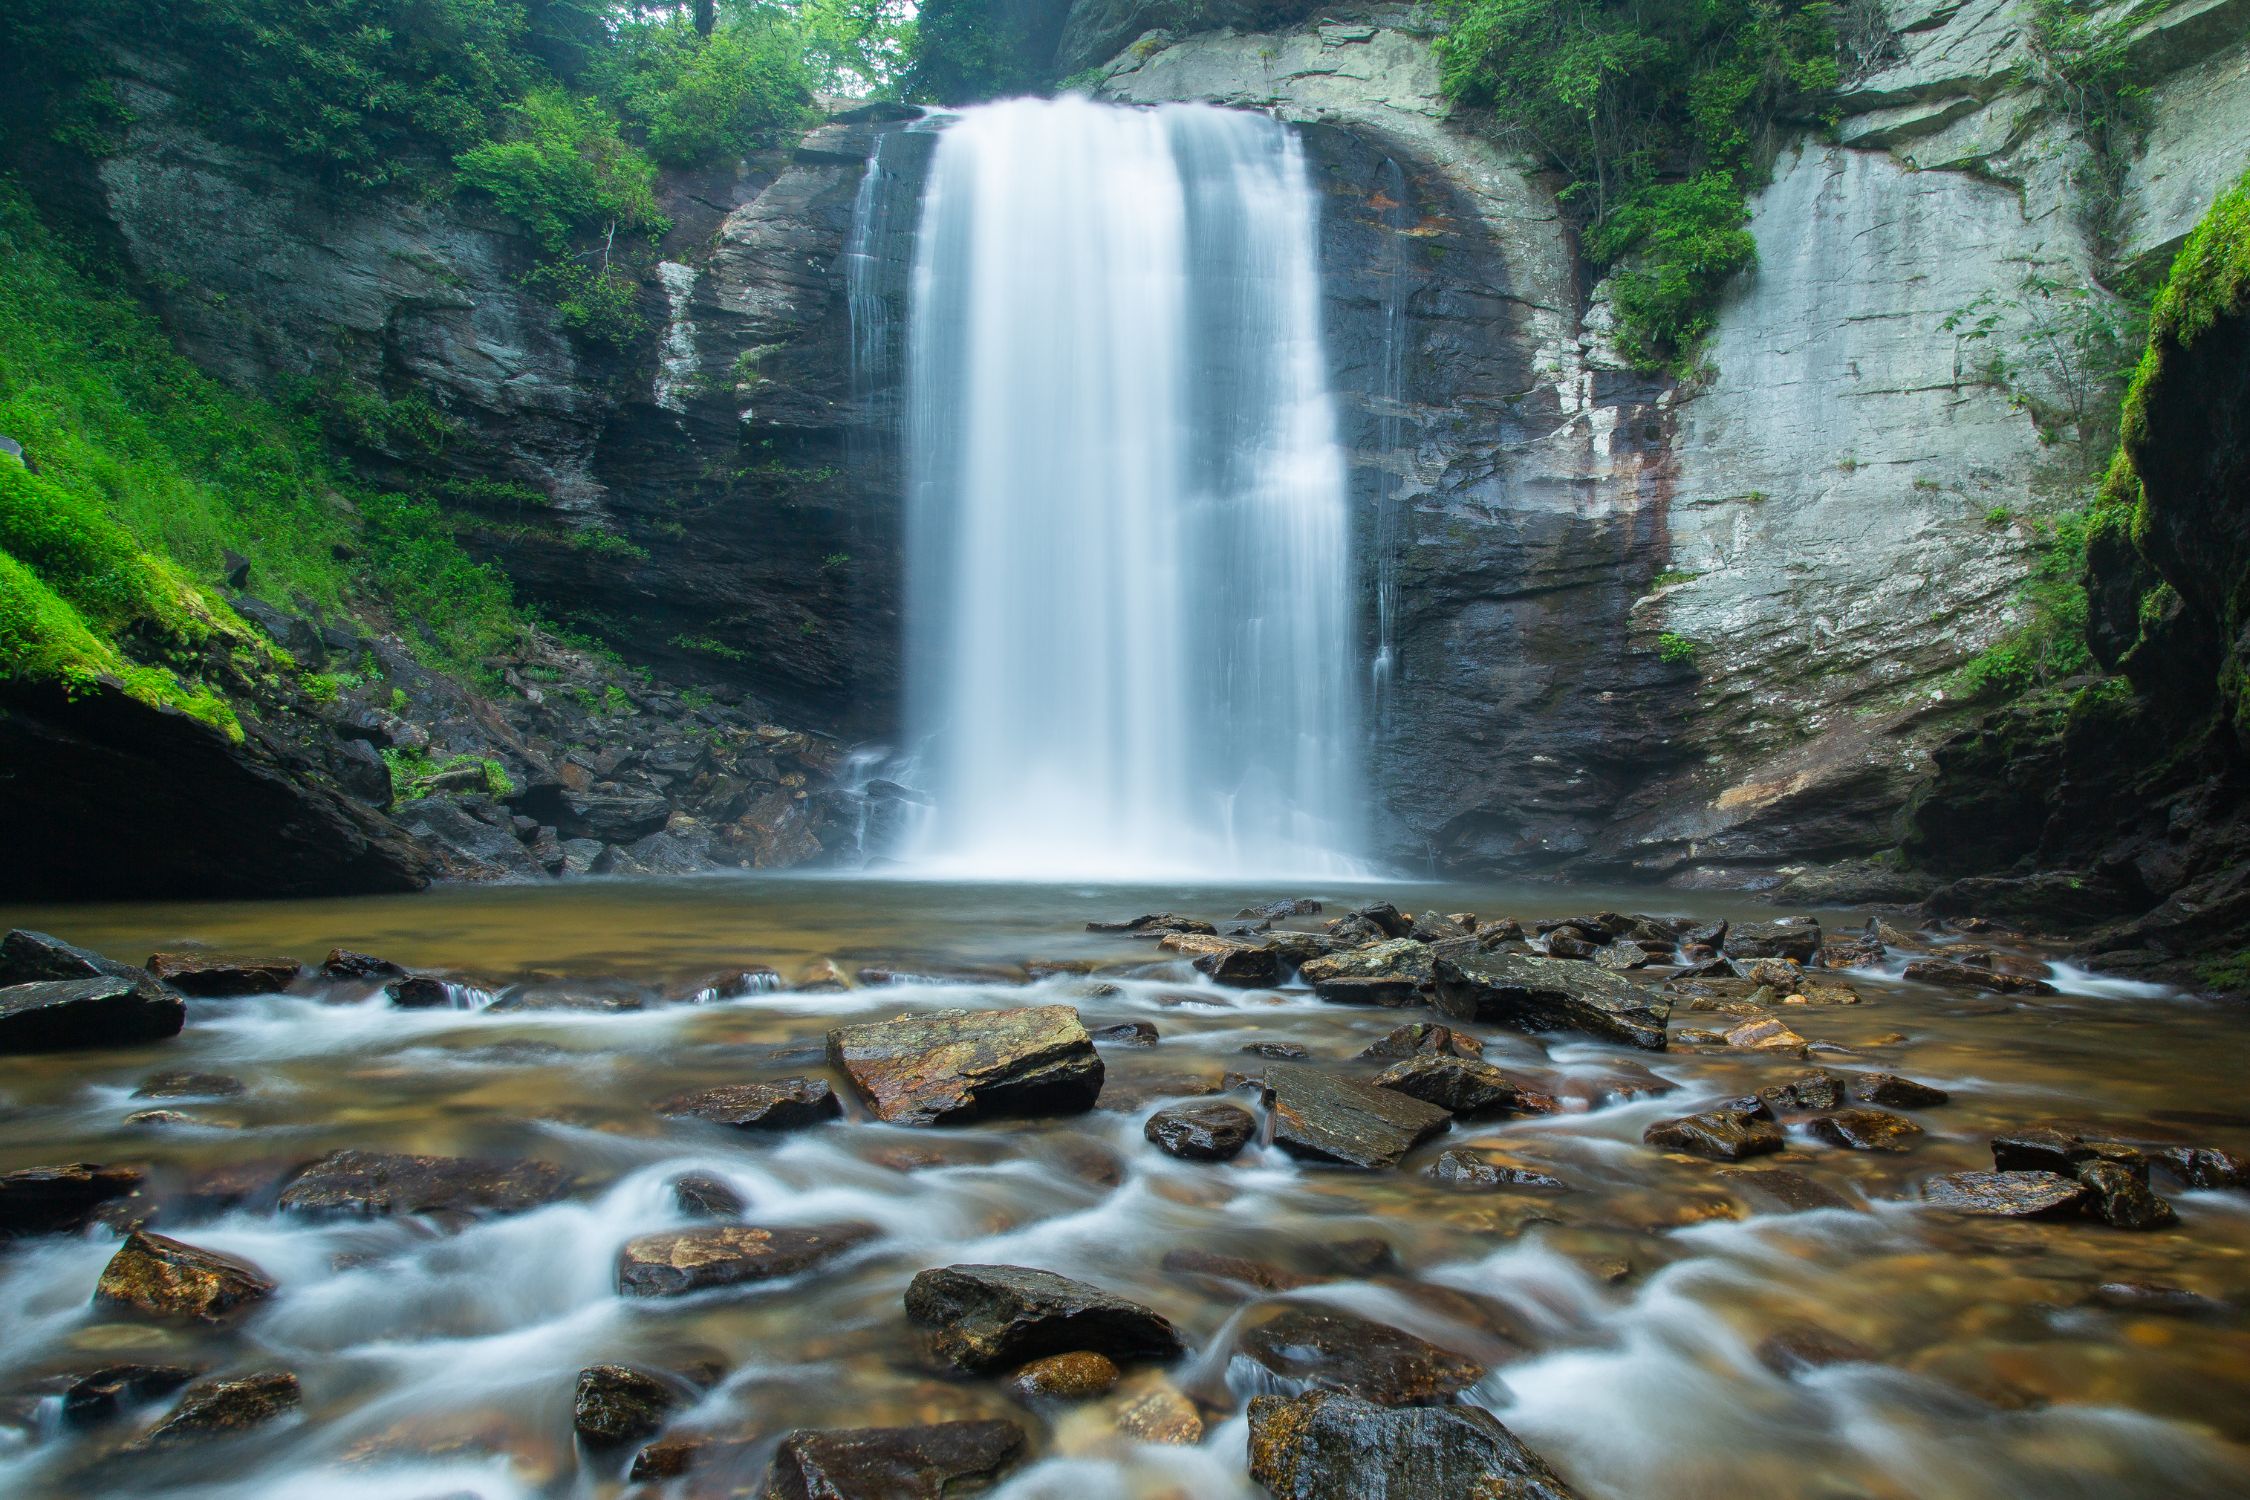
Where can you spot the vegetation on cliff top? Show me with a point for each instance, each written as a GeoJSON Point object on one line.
{"type": "Point", "coordinates": [1659, 114]}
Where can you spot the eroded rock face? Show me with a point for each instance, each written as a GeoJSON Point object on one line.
{"type": "Point", "coordinates": [983, 1318]}
{"type": "Point", "coordinates": [1322, 1117]}
{"type": "Point", "coordinates": [167, 1279]}
{"type": "Point", "coordinates": [896, 1463]}
{"type": "Point", "coordinates": [954, 1066]}
{"type": "Point", "coordinates": [63, 1015]}
{"type": "Point", "coordinates": [1320, 1348]}
{"type": "Point", "coordinates": [1528, 993]}
{"type": "Point", "coordinates": [678, 1262]}
{"type": "Point", "coordinates": [1330, 1446]}
{"type": "Point", "coordinates": [373, 1183]}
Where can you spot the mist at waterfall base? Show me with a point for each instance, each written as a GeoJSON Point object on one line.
{"type": "Point", "coordinates": [1130, 639]}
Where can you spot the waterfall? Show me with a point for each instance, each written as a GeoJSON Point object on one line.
{"type": "Point", "coordinates": [1129, 604]}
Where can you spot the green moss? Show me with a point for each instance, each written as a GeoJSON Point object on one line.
{"type": "Point", "coordinates": [2049, 641]}
{"type": "Point", "coordinates": [1672, 647]}
{"type": "Point", "coordinates": [2230, 974]}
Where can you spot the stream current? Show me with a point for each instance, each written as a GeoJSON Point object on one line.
{"type": "Point", "coordinates": [1631, 1323]}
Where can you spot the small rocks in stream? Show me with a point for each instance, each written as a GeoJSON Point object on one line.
{"type": "Point", "coordinates": [1155, 924]}
{"type": "Point", "coordinates": [58, 1199]}
{"type": "Point", "coordinates": [1720, 1134]}
{"type": "Point", "coordinates": [1465, 1167]}
{"type": "Point", "coordinates": [2007, 1195]}
{"type": "Point", "coordinates": [985, 1318]}
{"type": "Point", "coordinates": [678, 1262]}
{"type": "Point", "coordinates": [1964, 976]}
{"type": "Point", "coordinates": [98, 1395]}
{"type": "Point", "coordinates": [1417, 1037]}
{"type": "Point", "coordinates": [784, 1104]}
{"type": "Point", "coordinates": [61, 1015]}
{"type": "Point", "coordinates": [1150, 1409]}
{"type": "Point", "coordinates": [1545, 994]}
{"type": "Point", "coordinates": [1792, 1190]}
{"type": "Point", "coordinates": [222, 1408]}
{"type": "Point", "coordinates": [1210, 1131]}
{"type": "Point", "coordinates": [891, 1463]}
{"type": "Point", "coordinates": [1388, 991]}
{"type": "Point", "coordinates": [1278, 1051]}
{"type": "Point", "coordinates": [1079, 1375]}
{"type": "Point", "coordinates": [1263, 1275]}
{"type": "Point", "coordinates": [1322, 1117]}
{"type": "Point", "coordinates": [1372, 923]}
{"type": "Point", "coordinates": [2121, 1197]}
{"type": "Point", "coordinates": [1241, 968]}
{"type": "Point", "coordinates": [211, 974]}
{"type": "Point", "coordinates": [1787, 937]}
{"type": "Point", "coordinates": [1866, 1130]}
{"type": "Point", "coordinates": [1275, 911]}
{"type": "Point", "coordinates": [184, 1085]}
{"type": "Point", "coordinates": [420, 992]}
{"type": "Point", "coordinates": [1328, 1446]}
{"type": "Point", "coordinates": [1818, 1089]}
{"type": "Point", "coordinates": [1765, 1035]}
{"type": "Point", "coordinates": [167, 1279]}
{"type": "Point", "coordinates": [953, 1066]}
{"type": "Point", "coordinates": [374, 1183]}
{"type": "Point", "coordinates": [620, 1404]}
{"type": "Point", "coordinates": [706, 1197]}
{"type": "Point", "coordinates": [1322, 1348]}
{"type": "Point", "coordinates": [2158, 1297]}
{"type": "Point", "coordinates": [343, 963]}
{"type": "Point", "coordinates": [2046, 1148]}
{"type": "Point", "coordinates": [1464, 1085]}
{"type": "Point", "coordinates": [1893, 1092]}
{"type": "Point", "coordinates": [2203, 1166]}
{"type": "Point", "coordinates": [1127, 1034]}
{"type": "Point", "coordinates": [1802, 1348]}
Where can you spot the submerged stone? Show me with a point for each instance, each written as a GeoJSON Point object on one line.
{"type": "Point", "coordinates": [620, 1404]}
{"type": "Point", "coordinates": [705, 1197]}
{"type": "Point", "coordinates": [1328, 1446]}
{"type": "Point", "coordinates": [1464, 1167]}
{"type": "Point", "coordinates": [953, 1066]}
{"type": "Point", "coordinates": [2007, 1195]}
{"type": "Point", "coordinates": [1079, 1375]}
{"type": "Point", "coordinates": [374, 1183]}
{"type": "Point", "coordinates": [985, 1318]}
{"type": "Point", "coordinates": [99, 1394]}
{"type": "Point", "coordinates": [1535, 994]}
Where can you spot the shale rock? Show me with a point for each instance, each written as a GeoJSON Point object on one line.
{"type": "Point", "coordinates": [985, 1318]}
{"type": "Point", "coordinates": [1319, 1348]}
{"type": "Point", "coordinates": [1275, 911]}
{"type": "Point", "coordinates": [1866, 1130]}
{"type": "Point", "coordinates": [1464, 1085]}
{"type": "Point", "coordinates": [1720, 1134]}
{"type": "Point", "coordinates": [1322, 1117]}
{"type": "Point", "coordinates": [784, 1104]}
{"type": "Point", "coordinates": [60, 1015]}
{"type": "Point", "coordinates": [1241, 968]}
{"type": "Point", "coordinates": [1208, 1131]}
{"type": "Point", "coordinates": [619, 1404]}
{"type": "Point", "coordinates": [2205, 1167]}
{"type": "Point", "coordinates": [55, 1200]}
{"type": "Point", "coordinates": [950, 1067]}
{"type": "Point", "coordinates": [1545, 994]}
{"type": "Point", "coordinates": [216, 975]}
{"type": "Point", "coordinates": [1789, 937]}
{"type": "Point", "coordinates": [373, 1183]}
{"type": "Point", "coordinates": [1329, 1446]}
{"type": "Point", "coordinates": [1464, 1167]}
{"type": "Point", "coordinates": [1077, 1376]}
{"type": "Point", "coordinates": [223, 1408]}
{"type": "Point", "coordinates": [167, 1279]}
{"type": "Point", "coordinates": [2007, 1195]}
{"type": "Point", "coordinates": [680, 1261]}
{"type": "Point", "coordinates": [1418, 1037]}
{"type": "Point", "coordinates": [891, 1463]}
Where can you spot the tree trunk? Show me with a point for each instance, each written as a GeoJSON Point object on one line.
{"type": "Point", "coordinates": [706, 16]}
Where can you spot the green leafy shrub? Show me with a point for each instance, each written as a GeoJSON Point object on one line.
{"type": "Point", "coordinates": [2049, 641]}
{"type": "Point", "coordinates": [1673, 647]}
{"type": "Point", "coordinates": [562, 170]}
{"type": "Point", "coordinates": [698, 98]}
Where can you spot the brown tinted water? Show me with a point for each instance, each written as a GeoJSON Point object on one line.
{"type": "Point", "coordinates": [1624, 1320]}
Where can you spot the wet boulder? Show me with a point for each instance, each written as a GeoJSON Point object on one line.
{"type": "Point", "coordinates": [1322, 1117]}
{"type": "Point", "coordinates": [1464, 1085]}
{"type": "Point", "coordinates": [1210, 1130]}
{"type": "Point", "coordinates": [58, 1199]}
{"type": "Point", "coordinates": [1765, 1034]}
{"type": "Point", "coordinates": [1079, 1375]}
{"type": "Point", "coordinates": [1818, 1089]}
{"type": "Point", "coordinates": [1389, 991]}
{"type": "Point", "coordinates": [1893, 1092]}
{"type": "Point", "coordinates": [979, 1319]}
{"type": "Point", "coordinates": [2205, 1166]}
{"type": "Point", "coordinates": [2007, 1195]}
{"type": "Point", "coordinates": [613, 818]}
{"type": "Point", "coordinates": [1529, 993]}
{"type": "Point", "coordinates": [1401, 960]}
{"type": "Point", "coordinates": [705, 1197]}
{"type": "Point", "coordinates": [891, 1463]}
{"type": "Point", "coordinates": [100, 1394]}
{"type": "Point", "coordinates": [678, 1262]}
{"type": "Point", "coordinates": [1571, 943]}
{"type": "Point", "coordinates": [27, 957]}
{"type": "Point", "coordinates": [784, 1104]}
{"type": "Point", "coordinates": [1328, 1446]}
{"type": "Point", "coordinates": [1309, 1347]}
{"type": "Point", "coordinates": [1127, 1034]}
{"type": "Point", "coordinates": [422, 992]}
{"type": "Point", "coordinates": [374, 1183]}
{"type": "Point", "coordinates": [62, 1015]}
{"type": "Point", "coordinates": [1433, 927]}
{"type": "Point", "coordinates": [1720, 1134]}
{"type": "Point", "coordinates": [2120, 1197]}
{"type": "Point", "coordinates": [224, 1408]}
{"type": "Point", "coordinates": [1275, 911]}
{"type": "Point", "coordinates": [1417, 1037]}
{"type": "Point", "coordinates": [1786, 937]}
{"type": "Point", "coordinates": [617, 1404]}
{"type": "Point", "coordinates": [1466, 1167]}
{"type": "Point", "coordinates": [1241, 968]}
{"type": "Point", "coordinates": [2047, 1148]}
{"type": "Point", "coordinates": [344, 964]}
{"type": "Point", "coordinates": [954, 1066]}
{"type": "Point", "coordinates": [218, 975]}
{"type": "Point", "coordinates": [164, 1278]}
{"type": "Point", "coordinates": [1866, 1130]}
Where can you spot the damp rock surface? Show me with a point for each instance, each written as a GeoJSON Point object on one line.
{"type": "Point", "coordinates": [955, 1066]}
{"type": "Point", "coordinates": [1529, 993]}
{"type": "Point", "coordinates": [1324, 1117]}
{"type": "Point", "coordinates": [980, 1318]}
{"type": "Point", "coordinates": [1327, 1445]}
{"type": "Point", "coordinates": [375, 1184]}
{"type": "Point", "coordinates": [676, 1263]}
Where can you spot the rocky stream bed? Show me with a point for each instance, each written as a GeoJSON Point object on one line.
{"type": "Point", "coordinates": [886, 1190]}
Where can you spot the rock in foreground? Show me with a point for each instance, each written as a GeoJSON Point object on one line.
{"type": "Point", "coordinates": [891, 1463]}
{"type": "Point", "coordinates": [1321, 1117]}
{"type": "Point", "coordinates": [984, 1318]}
{"type": "Point", "coordinates": [952, 1066]}
{"type": "Point", "coordinates": [1306, 1346]}
{"type": "Point", "coordinates": [1529, 993]}
{"type": "Point", "coordinates": [373, 1183]}
{"type": "Point", "coordinates": [678, 1262]}
{"type": "Point", "coordinates": [1327, 1446]}
{"type": "Point", "coordinates": [167, 1279]}
{"type": "Point", "coordinates": [61, 1015]}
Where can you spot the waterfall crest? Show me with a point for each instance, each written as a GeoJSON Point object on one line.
{"type": "Point", "coordinates": [1130, 639]}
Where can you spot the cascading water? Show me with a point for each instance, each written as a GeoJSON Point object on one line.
{"type": "Point", "coordinates": [1129, 598]}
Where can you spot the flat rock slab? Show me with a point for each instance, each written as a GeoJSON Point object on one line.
{"type": "Point", "coordinates": [1720, 1134]}
{"type": "Point", "coordinates": [108, 1010]}
{"type": "Point", "coordinates": [1320, 1116]}
{"type": "Point", "coordinates": [784, 1104]}
{"type": "Point", "coordinates": [984, 1318]}
{"type": "Point", "coordinates": [1211, 1130]}
{"type": "Point", "coordinates": [1321, 1348]}
{"type": "Point", "coordinates": [2007, 1195]}
{"type": "Point", "coordinates": [167, 1279]}
{"type": "Point", "coordinates": [55, 1200]}
{"type": "Point", "coordinates": [1329, 1446]}
{"type": "Point", "coordinates": [1398, 959]}
{"type": "Point", "coordinates": [217, 976]}
{"type": "Point", "coordinates": [221, 1408]}
{"type": "Point", "coordinates": [1968, 977]}
{"type": "Point", "coordinates": [1866, 1130]}
{"type": "Point", "coordinates": [952, 1066]}
{"type": "Point", "coordinates": [1529, 993]}
{"type": "Point", "coordinates": [1418, 1037]}
{"type": "Point", "coordinates": [1463, 1085]}
{"type": "Point", "coordinates": [371, 1184]}
{"type": "Point", "coordinates": [681, 1261]}
{"type": "Point", "coordinates": [891, 1463]}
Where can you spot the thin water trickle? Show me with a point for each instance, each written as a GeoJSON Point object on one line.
{"type": "Point", "coordinates": [1129, 601]}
